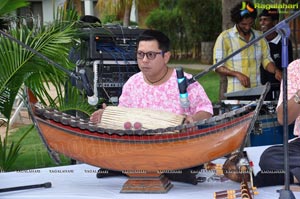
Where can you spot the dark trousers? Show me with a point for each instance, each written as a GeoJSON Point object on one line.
{"type": "Point", "coordinates": [273, 158]}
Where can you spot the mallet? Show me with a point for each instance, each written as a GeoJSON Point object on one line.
{"type": "Point", "coordinates": [45, 185]}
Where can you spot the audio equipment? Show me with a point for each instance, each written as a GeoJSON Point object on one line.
{"type": "Point", "coordinates": [108, 55]}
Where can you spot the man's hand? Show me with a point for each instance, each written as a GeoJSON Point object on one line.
{"type": "Point", "coordinates": [201, 115]}
{"type": "Point", "coordinates": [245, 81]}
{"type": "Point", "coordinates": [189, 119]}
{"type": "Point", "coordinates": [278, 75]}
{"type": "Point", "coordinates": [271, 68]}
{"type": "Point", "coordinates": [97, 115]}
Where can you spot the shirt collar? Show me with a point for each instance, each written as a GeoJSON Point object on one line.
{"type": "Point", "coordinates": [236, 32]}
{"type": "Point", "coordinates": [276, 39]}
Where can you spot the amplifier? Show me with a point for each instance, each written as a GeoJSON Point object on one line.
{"type": "Point", "coordinates": [107, 77]}
{"type": "Point", "coordinates": [109, 43]}
{"type": "Point", "coordinates": [108, 55]}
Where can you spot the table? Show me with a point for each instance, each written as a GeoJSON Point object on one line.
{"type": "Point", "coordinates": [79, 181]}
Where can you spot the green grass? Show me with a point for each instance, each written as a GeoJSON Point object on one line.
{"type": "Point", "coordinates": [33, 153]}
{"type": "Point", "coordinates": [210, 82]}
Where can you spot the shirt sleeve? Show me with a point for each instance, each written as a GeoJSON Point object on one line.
{"type": "Point", "coordinates": [293, 81]}
{"type": "Point", "coordinates": [199, 100]}
{"type": "Point", "coordinates": [218, 51]}
{"type": "Point", "coordinates": [266, 56]}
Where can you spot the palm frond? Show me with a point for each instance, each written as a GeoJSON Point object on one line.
{"type": "Point", "coordinates": [20, 65]}
{"type": "Point", "coordinates": [74, 99]}
{"type": "Point", "coordinates": [36, 58]}
{"type": "Point", "coordinates": [8, 6]}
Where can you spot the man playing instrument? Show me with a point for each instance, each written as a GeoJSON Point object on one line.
{"type": "Point", "coordinates": [156, 87]}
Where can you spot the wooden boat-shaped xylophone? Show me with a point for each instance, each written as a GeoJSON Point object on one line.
{"type": "Point", "coordinates": [144, 155]}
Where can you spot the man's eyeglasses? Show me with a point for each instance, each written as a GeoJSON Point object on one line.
{"type": "Point", "coordinates": [150, 55]}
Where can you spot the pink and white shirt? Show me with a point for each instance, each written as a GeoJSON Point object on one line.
{"type": "Point", "coordinates": [137, 93]}
{"type": "Point", "coordinates": [293, 84]}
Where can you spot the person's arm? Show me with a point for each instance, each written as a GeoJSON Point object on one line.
{"type": "Point", "coordinates": [274, 70]}
{"type": "Point", "coordinates": [293, 109]}
{"type": "Point", "coordinates": [268, 62]}
{"type": "Point", "coordinates": [200, 105]}
{"type": "Point", "coordinates": [293, 89]}
{"type": "Point", "coordinates": [245, 80]}
{"type": "Point", "coordinates": [220, 51]}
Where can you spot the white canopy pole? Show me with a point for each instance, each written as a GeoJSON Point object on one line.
{"type": "Point", "coordinates": [88, 7]}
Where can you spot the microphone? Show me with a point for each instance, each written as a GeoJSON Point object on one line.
{"type": "Point", "coordinates": [182, 86]}
{"type": "Point", "coordinates": [92, 99]}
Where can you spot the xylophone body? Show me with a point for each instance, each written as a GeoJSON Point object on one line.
{"type": "Point", "coordinates": [144, 155]}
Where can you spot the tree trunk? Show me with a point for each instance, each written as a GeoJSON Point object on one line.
{"type": "Point", "coordinates": [143, 11]}
{"type": "Point", "coordinates": [126, 18]}
{"type": "Point", "coordinates": [227, 5]}
{"type": "Point", "coordinates": [75, 4]}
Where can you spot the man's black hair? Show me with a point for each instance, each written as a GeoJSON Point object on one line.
{"type": "Point", "coordinates": [161, 38]}
{"type": "Point", "coordinates": [273, 13]}
{"type": "Point", "coordinates": [242, 10]}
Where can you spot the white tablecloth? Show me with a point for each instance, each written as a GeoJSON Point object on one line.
{"type": "Point", "coordinates": [79, 181]}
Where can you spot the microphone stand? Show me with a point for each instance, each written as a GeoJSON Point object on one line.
{"type": "Point", "coordinates": [284, 30]}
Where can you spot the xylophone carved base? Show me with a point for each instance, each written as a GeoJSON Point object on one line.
{"type": "Point", "coordinates": [146, 183]}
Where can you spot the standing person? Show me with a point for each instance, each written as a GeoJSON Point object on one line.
{"type": "Point", "coordinates": [272, 159]}
{"type": "Point", "coordinates": [156, 87]}
{"type": "Point", "coordinates": [242, 70]}
{"type": "Point", "coordinates": [267, 20]}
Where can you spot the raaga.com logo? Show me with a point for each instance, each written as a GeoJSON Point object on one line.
{"type": "Point", "coordinates": [246, 9]}
{"type": "Point", "coordinates": [246, 6]}
{"type": "Point", "coordinates": [282, 7]}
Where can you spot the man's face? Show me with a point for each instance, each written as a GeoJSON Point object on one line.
{"type": "Point", "coordinates": [245, 25]}
{"type": "Point", "coordinates": [266, 23]}
{"type": "Point", "coordinates": [152, 67]}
